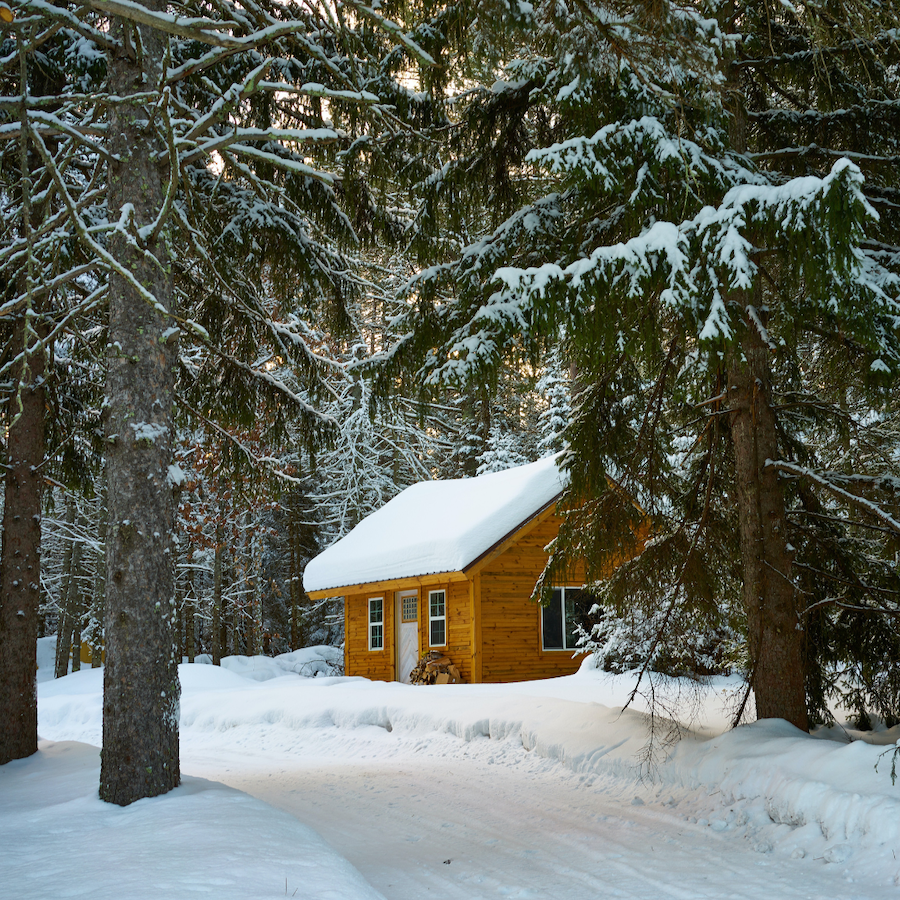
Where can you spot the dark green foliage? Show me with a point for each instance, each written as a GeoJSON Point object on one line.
{"type": "Point", "coordinates": [633, 191]}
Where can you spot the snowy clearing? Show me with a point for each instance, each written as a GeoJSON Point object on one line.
{"type": "Point", "coordinates": [530, 790]}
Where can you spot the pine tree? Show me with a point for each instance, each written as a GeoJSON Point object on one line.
{"type": "Point", "coordinates": [684, 274]}
{"type": "Point", "coordinates": [172, 109]}
{"type": "Point", "coordinates": [44, 297]}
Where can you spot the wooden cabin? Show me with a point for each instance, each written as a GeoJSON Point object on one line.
{"type": "Point", "coordinates": [450, 566]}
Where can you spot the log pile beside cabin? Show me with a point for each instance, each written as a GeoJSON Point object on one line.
{"type": "Point", "coordinates": [435, 668]}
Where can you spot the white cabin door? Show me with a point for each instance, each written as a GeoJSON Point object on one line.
{"type": "Point", "coordinates": [407, 633]}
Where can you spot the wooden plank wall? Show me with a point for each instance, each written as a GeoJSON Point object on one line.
{"type": "Point", "coordinates": [379, 665]}
{"type": "Point", "coordinates": [511, 622]}
{"type": "Point", "coordinates": [358, 659]}
{"type": "Point", "coordinates": [459, 626]}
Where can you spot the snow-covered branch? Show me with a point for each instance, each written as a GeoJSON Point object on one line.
{"type": "Point", "coordinates": [829, 484]}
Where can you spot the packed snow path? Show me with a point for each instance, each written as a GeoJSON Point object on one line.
{"type": "Point", "coordinates": [464, 792]}
{"type": "Point", "coordinates": [436, 817]}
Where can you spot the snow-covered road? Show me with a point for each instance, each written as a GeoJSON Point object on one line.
{"type": "Point", "coordinates": [461, 792]}
{"type": "Point", "coordinates": [434, 816]}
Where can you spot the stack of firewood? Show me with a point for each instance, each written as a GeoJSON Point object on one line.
{"type": "Point", "coordinates": [433, 668]}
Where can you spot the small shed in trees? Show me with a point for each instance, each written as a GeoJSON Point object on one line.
{"type": "Point", "coordinates": [450, 566]}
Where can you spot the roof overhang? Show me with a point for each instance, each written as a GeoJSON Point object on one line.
{"type": "Point", "coordinates": [390, 584]}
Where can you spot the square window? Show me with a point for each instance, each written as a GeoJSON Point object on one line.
{"type": "Point", "coordinates": [410, 611]}
{"type": "Point", "coordinates": [560, 618]}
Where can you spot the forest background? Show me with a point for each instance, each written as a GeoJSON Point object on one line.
{"type": "Point", "coordinates": [266, 264]}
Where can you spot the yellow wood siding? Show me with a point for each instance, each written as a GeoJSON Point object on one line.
{"type": "Point", "coordinates": [459, 627]}
{"type": "Point", "coordinates": [493, 628]}
{"type": "Point", "coordinates": [510, 621]}
{"type": "Point", "coordinates": [380, 665]}
{"type": "Point", "coordinates": [358, 659]}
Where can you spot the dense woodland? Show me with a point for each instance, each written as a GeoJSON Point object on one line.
{"type": "Point", "coordinates": [266, 264]}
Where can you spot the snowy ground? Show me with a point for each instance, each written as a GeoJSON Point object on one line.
{"type": "Point", "coordinates": [533, 790]}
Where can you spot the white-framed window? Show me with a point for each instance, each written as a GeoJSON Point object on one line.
{"type": "Point", "coordinates": [568, 608]}
{"type": "Point", "coordinates": [437, 618]}
{"type": "Point", "coordinates": [376, 623]}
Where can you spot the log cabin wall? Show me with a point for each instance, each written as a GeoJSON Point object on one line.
{"type": "Point", "coordinates": [511, 646]}
{"type": "Point", "coordinates": [459, 625]}
{"type": "Point", "coordinates": [358, 659]}
{"type": "Point", "coordinates": [380, 665]}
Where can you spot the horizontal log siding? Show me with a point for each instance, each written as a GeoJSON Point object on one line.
{"type": "Point", "coordinates": [459, 624]}
{"type": "Point", "coordinates": [510, 621]}
{"type": "Point", "coordinates": [358, 659]}
{"type": "Point", "coordinates": [379, 665]}
{"type": "Point", "coordinates": [459, 628]}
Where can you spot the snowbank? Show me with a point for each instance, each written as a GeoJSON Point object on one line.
{"type": "Point", "coordinates": [785, 792]}
{"type": "Point", "coordinates": [60, 840]}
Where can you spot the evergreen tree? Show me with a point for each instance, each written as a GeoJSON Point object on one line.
{"type": "Point", "coordinates": [694, 286]}
{"type": "Point", "coordinates": [174, 110]}
{"type": "Point", "coordinates": [45, 294]}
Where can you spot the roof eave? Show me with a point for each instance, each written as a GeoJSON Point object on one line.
{"type": "Point", "coordinates": [388, 584]}
{"type": "Point", "coordinates": [492, 552]}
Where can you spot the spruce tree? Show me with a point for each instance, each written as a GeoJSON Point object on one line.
{"type": "Point", "coordinates": [694, 286]}
{"type": "Point", "coordinates": [190, 143]}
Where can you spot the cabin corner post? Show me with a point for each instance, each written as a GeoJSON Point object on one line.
{"type": "Point", "coordinates": [346, 635]}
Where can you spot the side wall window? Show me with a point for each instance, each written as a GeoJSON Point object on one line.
{"type": "Point", "coordinates": [568, 608]}
{"type": "Point", "coordinates": [437, 618]}
{"type": "Point", "coordinates": [376, 623]}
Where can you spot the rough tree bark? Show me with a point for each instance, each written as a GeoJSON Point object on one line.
{"type": "Point", "coordinates": [20, 561]}
{"type": "Point", "coordinates": [141, 689]}
{"type": "Point", "coordinates": [776, 638]}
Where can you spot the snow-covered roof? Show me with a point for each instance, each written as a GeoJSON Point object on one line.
{"type": "Point", "coordinates": [436, 526]}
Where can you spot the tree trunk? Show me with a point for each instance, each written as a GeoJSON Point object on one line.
{"type": "Point", "coordinates": [776, 637]}
{"type": "Point", "coordinates": [188, 613]}
{"type": "Point", "coordinates": [64, 623]}
{"type": "Point", "coordinates": [218, 620]}
{"type": "Point", "coordinates": [99, 598]}
{"type": "Point", "coordinates": [20, 563]}
{"type": "Point", "coordinates": [141, 689]}
{"type": "Point", "coordinates": [76, 599]}
{"type": "Point", "coordinates": [295, 581]}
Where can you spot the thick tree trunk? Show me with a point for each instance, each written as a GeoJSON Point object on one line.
{"type": "Point", "coordinates": [776, 637]}
{"type": "Point", "coordinates": [775, 634]}
{"type": "Point", "coordinates": [20, 565]}
{"type": "Point", "coordinates": [141, 689]}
